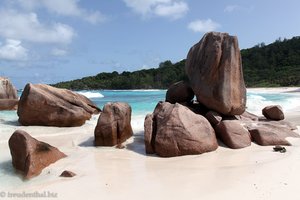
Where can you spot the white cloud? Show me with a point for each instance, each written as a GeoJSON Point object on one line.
{"type": "Point", "coordinates": [64, 8]}
{"type": "Point", "coordinates": [13, 50]}
{"type": "Point", "coordinates": [173, 9]}
{"type": "Point", "coordinates": [59, 52]}
{"type": "Point", "coordinates": [203, 25]}
{"type": "Point", "coordinates": [231, 8]}
{"type": "Point", "coordinates": [26, 26]}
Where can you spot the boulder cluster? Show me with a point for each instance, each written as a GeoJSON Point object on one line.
{"type": "Point", "coordinates": [44, 105]}
{"type": "Point", "coordinates": [184, 126]}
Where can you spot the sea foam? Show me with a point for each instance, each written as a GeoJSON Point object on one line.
{"type": "Point", "coordinates": [257, 101]}
{"type": "Point", "coordinates": [91, 94]}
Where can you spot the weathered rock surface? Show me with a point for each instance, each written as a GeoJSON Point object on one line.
{"type": "Point", "coordinates": [7, 90]}
{"type": "Point", "coordinates": [8, 104]}
{"type": "Point", "coordinates": [273, 112]}
{"type": "Point", "coordinates": [270, 134]}
{"type": "Point", "coordinates": [44, 105]}
{"type": "Point", "coordinates": [214, 68]}
{"type": "Point", "coordinates": [113, 125]}
{"type": "Point", "coordinates": [178, 131]}
{"type": "Point", "coordinates": [179, 92]}
{"type": "Point", "coordinates": [148, 131]}
{"type": "Point", "coordinates": [247, 116]}
{"type": "Point", "coordinates": [31, 156]}
{"type": "Point", "coordinates": [233, 134]}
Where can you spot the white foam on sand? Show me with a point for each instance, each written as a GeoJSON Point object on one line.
{"type": "Point", "coordinates": [254, 172]}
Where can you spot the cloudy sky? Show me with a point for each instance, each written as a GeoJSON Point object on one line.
{"type": "Point", "coordinates": [46, 41]}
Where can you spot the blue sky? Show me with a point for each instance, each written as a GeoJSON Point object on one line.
{"type": "Point", "coordinates": [46, 41]}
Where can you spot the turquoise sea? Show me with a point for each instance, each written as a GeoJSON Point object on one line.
{"type": "Point", "coordinates": [144, 101]}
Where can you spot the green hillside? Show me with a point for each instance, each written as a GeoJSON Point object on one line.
{"type": "Point", "coordinates": [276, 64]}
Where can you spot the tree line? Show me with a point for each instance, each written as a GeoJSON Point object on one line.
{"type": "Point", "coordinates": [273, 65]}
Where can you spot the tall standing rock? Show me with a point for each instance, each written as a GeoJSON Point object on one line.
{"type": "Point", "coordinates": [113, 125]}
{"type": "Point", "coordinates": [214, 68]}
{"type": "Point", "coordinates": [8, 95]}
{"type": "Point", "coordinates": [44, 105]}
{"type": "Point", "coordinates": [7, 90]}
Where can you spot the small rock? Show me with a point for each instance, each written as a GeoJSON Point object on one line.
{"type": "Point", "coordinates": [279, 148]}
{"type": "Point", "coordinates": [67, 174]}
{"type": "Point", "coordinates": [273, 112]}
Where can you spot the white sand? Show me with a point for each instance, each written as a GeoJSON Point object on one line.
{"type": "Point", "coordinates": [274, 90]}
{"type": "Point", "coordinates": [105, 173]}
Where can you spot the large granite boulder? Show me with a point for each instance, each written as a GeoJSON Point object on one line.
{"type": "Point", "coordinates": [7, 90]}
{"type": "Point", "coordinates": [177, 131]}
{"type": "Point", "coordinates": [113, 125]}
{"type": "Point", "coordinates": [271, 134]}
{"type": "Point", "coordinates": [44, 105]}
{"type": "Point", "coordinates": [179, 92]}
{"type": "Point", "coordinates": [273, 112]}
{"type": "Point", "coordinates": [233, 134]}
{"type": "Point", "coordinates": [31, 156]}
{"type": "Point", "coordinates": [265, 131]}
{"type": "Point", "coordinates": [214, 68]}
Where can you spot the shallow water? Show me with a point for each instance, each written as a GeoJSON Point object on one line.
{"type": "Point", "coordinates": [144, 102]}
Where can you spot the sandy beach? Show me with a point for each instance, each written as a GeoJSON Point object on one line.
{"type": "Point", "coordinates": [255, 172]}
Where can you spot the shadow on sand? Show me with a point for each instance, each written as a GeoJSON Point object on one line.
{"type": "Point", "coordinates": [11, 123]}
{"type": "Point", "coordinates": [88, 143]}
{"type": "Point", "coordinates": [7, 168]}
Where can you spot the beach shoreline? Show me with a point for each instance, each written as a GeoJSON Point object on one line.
{"type": "Point", "coordinates": [255, 172]}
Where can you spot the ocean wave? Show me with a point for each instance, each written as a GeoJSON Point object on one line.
{"type": "Point", "coordinates": [138, 90]}
{"type": "Point", "coordinates": [90, 94]}
{"type": "Point", "coordinates": [256, 102]}
{"type": "Point", "coordinates": [147, 90]}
